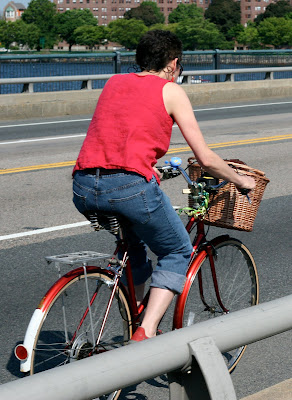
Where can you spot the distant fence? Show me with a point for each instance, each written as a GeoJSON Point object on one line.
{"type": "Point", "coordinates": [52, 65]}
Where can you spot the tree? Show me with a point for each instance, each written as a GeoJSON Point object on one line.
{"type": "Point", "coordinates": [126, 32]}
{"type": "Point", "coordinates": [184, 11]}
{"type": "Point", "coordinates": [66, 23]}
{"type": "Point", "coordinates": [224, 13]}
{"type": "Point", "coordinates": [276, 31]}
{"type": "Point", "coordinates": [7, 33]}
{"type": "Point", "coordinates": [19, 32]}
{"type": "Point", "coordinates": [200, 35]}
{"type": "Point", "coordinates": [27, 34]}
{"type": "Point", "coordinates": [42, 13]}
{"type": "Point", "coordinates": [279, 9]}
{"type": "Point", "coordinates": [89, 35]}
{"type": "Point", "coordinates": [163, 27]}
{"type": "Point", "coordinates": [148, 12]}
{"type": "Point", "coordinates": [235, 31]}
{"type": "Point", "coordinates": [249, 36]}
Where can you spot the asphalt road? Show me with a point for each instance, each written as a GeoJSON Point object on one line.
{"type": "Point", "coordinates": [36, 198]}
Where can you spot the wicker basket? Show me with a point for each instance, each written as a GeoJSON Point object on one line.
{"type": "Point", "coordinates": [228, 207]}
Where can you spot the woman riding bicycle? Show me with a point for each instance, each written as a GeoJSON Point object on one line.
{"type": "Point", "coordinates": [115, 171]}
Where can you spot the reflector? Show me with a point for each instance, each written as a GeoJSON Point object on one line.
{"type": "Point", "coordinates": [20, 352]}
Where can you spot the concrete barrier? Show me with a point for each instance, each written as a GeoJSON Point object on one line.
{"type": "Point", "coordinates": [51, 104]}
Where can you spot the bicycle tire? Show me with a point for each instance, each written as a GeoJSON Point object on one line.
{"type": "Point", "coordinates": [58, 342]}
{"type": "Point", "coordinates": [237, 282]}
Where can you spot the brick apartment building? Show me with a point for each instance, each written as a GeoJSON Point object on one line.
{"type": "Point", "coordinates": [110, 10]}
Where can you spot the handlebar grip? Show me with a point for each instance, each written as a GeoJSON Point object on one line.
{"type": "Point", "coordinates": [244, 191]}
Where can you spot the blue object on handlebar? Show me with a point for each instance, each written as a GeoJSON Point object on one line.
{"type": "Point", "coordinates": [175, 162]}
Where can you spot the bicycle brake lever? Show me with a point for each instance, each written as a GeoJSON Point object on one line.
{"type": "Point", "coordinates": [246, 192]}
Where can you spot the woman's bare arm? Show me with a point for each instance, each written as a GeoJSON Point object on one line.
{"type": "Point", "coordinates": [179, 107]}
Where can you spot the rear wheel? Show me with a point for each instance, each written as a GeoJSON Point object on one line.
{"type": "Point", "coordinates": [68, 331]}
{"type": "Point", "coordinates": [237, 284]}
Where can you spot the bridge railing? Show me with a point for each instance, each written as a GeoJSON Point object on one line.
{"type": "Point", "coordinates": [188, 77]}
{"type": "Point", "coordinates": [190, 356]}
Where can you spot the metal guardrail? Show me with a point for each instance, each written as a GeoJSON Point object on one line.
{"type": "Point", "coordinates": [76, 63]}
{"type": "Point", "coordinates": [28, 83]}
{"type": "Point", "coordinates": [230, 73]}
{"type": "Point", "coordinates": [188, 355]}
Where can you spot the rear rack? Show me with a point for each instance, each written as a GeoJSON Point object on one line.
{"type": "Point", "coordinates": [77, 258]}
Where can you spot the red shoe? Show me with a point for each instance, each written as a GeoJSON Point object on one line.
{"type": "Point", "coordinates": [139, 335]}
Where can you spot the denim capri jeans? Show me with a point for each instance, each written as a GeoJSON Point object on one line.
{"type": "Point", "coordinates": [150, 219]}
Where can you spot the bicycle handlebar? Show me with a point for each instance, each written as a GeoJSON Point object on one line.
{"type": "Point", "coordinates": [173, 169]}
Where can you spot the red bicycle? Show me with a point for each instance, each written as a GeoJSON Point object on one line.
{"type": "Point", "coordinates": [88, 310]}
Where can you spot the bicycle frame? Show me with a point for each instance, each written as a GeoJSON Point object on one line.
{"type": "Point", "coordinates": [201, 249]}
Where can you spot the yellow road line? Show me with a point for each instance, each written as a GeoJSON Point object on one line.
{"type": "Point", "coordinates": [171, 151]}
{"type": "Point", "coordinates": [37, 167]}
{"type": "Point", "coordinates": [235, 143]}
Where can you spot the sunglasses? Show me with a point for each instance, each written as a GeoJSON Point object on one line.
{"type": "Point", "coordinates": [181, 68]}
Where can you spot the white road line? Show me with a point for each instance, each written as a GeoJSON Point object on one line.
{"type": "Point", "coordinates": [44, 230]}
{"type": "Point", "coordinates": [83, 134]}
{"type": "Point", "coordinates": [195, 110]}
{"type": "Point", "coordinates": [45, 123]}
{"type": "Point", "coordinates": [44, 139]}
{"type": "Point", "coordinates": [242, 106]}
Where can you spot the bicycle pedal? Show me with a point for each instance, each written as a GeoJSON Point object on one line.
{"type": "Point", "coordinates": [114, 262]}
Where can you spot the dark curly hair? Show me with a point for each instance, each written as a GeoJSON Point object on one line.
{"type": "Point", "coordinates": [156, 49]}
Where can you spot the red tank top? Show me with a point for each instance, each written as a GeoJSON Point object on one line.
{"type": "Point", "coordinates": [130, 128]}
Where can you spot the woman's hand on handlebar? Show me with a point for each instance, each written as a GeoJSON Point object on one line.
{"type": "Point", "coordinates": [247, 182]}
{"type": "Point", "coordinates": [158, 173]}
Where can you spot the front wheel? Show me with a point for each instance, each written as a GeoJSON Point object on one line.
{"type": "Point", "coordinates": [237, 288]}
{"type": "Point", "coordinates": [68, 331]}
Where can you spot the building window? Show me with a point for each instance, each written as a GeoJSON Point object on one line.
{"type": "Point", "coordinates": [258, 8]}
{"type": "Point", "coordinates": [104, 9]}
{"type": "Point", "coordinates": [10, 13]}
{"type": "Point", "coordinates": [114, 17]}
